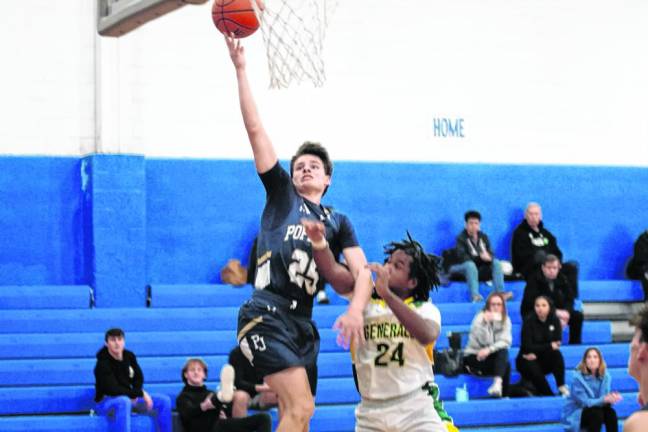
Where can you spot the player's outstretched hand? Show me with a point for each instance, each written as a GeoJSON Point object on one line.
{"type": "Point", "coordinates": [236, 51]}
{"type": "Point", "coordinates": [315, 230]}
{"type": "Point", "coordinates": [350, 328]}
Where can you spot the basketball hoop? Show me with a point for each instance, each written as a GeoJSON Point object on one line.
{"type": "Point", "coordinates": [293, 33]}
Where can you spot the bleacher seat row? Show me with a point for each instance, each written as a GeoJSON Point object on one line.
{"type": "Point", "coordinates": [48, 345]}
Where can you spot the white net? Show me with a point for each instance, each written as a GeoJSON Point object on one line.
{"type": "Point", "coordinates": [293, 33]}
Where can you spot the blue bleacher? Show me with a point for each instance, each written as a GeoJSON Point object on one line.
{"type": "Point", "coordinates": [44, 296]}
{"type": "Point", "coordinates": [47, 355]}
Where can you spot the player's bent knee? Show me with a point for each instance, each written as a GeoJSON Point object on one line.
{"type": "Point", "coordinates": [300, 413]}
{"type": "Point", "coordinates": [241, 397]}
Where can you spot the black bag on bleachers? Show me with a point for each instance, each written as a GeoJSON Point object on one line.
{"type": "Point", "coordinates": [523, 388]}
{"type": "Point", "coordinates": [448, 362]}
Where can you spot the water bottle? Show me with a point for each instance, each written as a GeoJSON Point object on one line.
{"type": "Point", "coordinates": [461, 394]}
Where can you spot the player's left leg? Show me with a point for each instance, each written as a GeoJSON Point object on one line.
{"type": "Point", "coordinates": [296, 400]}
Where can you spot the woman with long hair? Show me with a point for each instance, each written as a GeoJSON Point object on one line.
{"type": "Point", "coordinates": [540, 348]}
{"type": "Point", "coordinates": [487, 352]}
{"type": "Point", "coordinates": [590, 405]}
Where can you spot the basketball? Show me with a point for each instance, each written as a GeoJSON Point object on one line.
{"type": "Point", "coordinates": [235, 16]}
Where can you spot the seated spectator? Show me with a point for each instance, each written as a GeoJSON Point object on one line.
{"type": "Point", "coordinates": [532, 242]}
{"type": "Point", "coordinates": [488, 344]}
{"type": "Point", "coordinates": [251, 392]}
{"type": "Point", "coordinates": [549, 282]}
{"type": "Point", "coordinates": [475, 257]}
{"type": "Point", "coordinates": [540, 349]}
{"type": "Point", "coordinates": [638, 265]}
{"type": "Point", "coordinates": [119, 387]}
{"type": "Point", "coordinates": [589, 406]}
{"type": "Point", "coordinates": [202, 410]}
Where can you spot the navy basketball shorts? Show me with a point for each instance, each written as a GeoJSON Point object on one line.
{"type": "Point", "coordinates": [274, 336]}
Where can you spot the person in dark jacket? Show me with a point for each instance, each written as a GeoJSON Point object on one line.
{"type": "Point", "coordinates": [251, 391]}
{"type": "Point", "coordinates": [532, 242]}
{"type": "Point", "coordinates": [540, 349]}
{"type": "Point", "coordinates": [202, 410]}
{"type": "Point", "coordinates": [549, 282]}
{"type": "Point", "coordinates": [638, 265]}
{"type": "Point", "coordinates": [119, 387]}
{"type": "Point", "coordinates": [475, 257]}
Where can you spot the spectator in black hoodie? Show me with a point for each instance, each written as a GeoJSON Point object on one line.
{"type": "Point", "coordinates": [638, 264]}
{"type": "Point", "coordinates": [540, 349]}
{"type": "Point", "coordinates": [549, 282]}
{"type": "Point", "coordinates": [202, 410]}
{"type": "Point", "coordinates": [532, 242]}
{"type": "Point", "coordinates": [119, 387]}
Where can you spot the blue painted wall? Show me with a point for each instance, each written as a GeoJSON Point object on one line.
{"type": "Point", "coordinates": [199, 213]}
{"type": "Point", "coordinates": [41, 221]}
{"type": "Point", "coordinates": [595, 212]}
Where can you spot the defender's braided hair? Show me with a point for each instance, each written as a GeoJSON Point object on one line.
{"type": "Point", "coordinates": [424, 267]}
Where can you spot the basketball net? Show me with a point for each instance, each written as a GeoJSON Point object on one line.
{"type": "Point", "coordinates": [293, 33]}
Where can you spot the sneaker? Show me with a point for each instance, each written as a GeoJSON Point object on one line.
{"type": "Point", "coordinates": [477, 298]}
{"type": "Point", "coordinates": [322, 298]}
{"type": "Point", "coordinates": [226, 388]}
{"type": "Point", "coordinates": [495, 390]}
{"type": "Point", "coordinates": [508, 295]}
{"type": "Point", "coordinates": [564, 391]}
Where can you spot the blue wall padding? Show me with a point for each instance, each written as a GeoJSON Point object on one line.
{"type": "Point", "coordinates": [41, 221]}
{"type": "Point", "coordinates": [117, 190]}
{"type": "Point", "coordinates": [200, 213]}
{"type": "Point", "coordinates": [596, 212]}
{"type": "Point", "coordinates": [125, 221]}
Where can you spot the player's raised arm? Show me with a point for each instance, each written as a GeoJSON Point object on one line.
{"type": "Point", "coordinates": [264, 153]}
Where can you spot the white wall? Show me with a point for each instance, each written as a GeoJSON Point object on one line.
{"type": "Point", "coordinates": [552, 81]}
{"type": "Point", "coordinates": [47, 76]}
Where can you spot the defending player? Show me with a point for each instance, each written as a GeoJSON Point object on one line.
{"type": "Point", "coordinates": [275, 330]}
{"type": "Point", "coordinates": [393, 368]}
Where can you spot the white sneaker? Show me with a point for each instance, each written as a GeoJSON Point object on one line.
{"type": "Point", "coordinates": [564, 391]}
{"type": "Point", "coordinates": [322, 297]}
{"type": "Point", "coordinates": [495, 390]}
{"type": "Point", "coordinates": [226, 387]}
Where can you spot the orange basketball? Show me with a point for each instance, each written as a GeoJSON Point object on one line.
{"type": "Point", "coordinates": [234, 16]}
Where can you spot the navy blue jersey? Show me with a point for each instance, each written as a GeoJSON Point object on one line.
{"type": "Point", "coordinates": [285, 263]}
